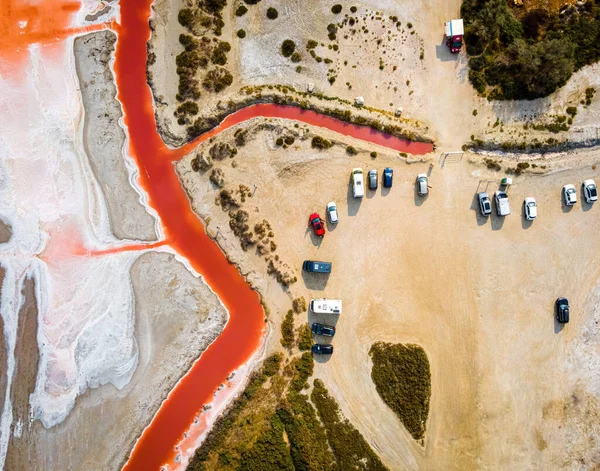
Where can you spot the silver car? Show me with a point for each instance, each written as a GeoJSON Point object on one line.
{"type": "Point", "coordinates": [422, 186]}
{"type": "Point", "coordinates": [485, 205]}
{"type": "Point", "coordinates": [372, 179]}
{"type": "Point", "coordinates": [332, 213]}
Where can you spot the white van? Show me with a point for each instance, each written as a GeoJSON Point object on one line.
{"type": "Point", "coordinates": [326, 306]}
{"type": "Point", "coordinates": [358, 188]}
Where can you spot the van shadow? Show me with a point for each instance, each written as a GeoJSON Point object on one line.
{"type": "Point", "coordinates": [353, 203]}
{"type": "Point", "coordinates": [315, 281]}
{"type": "Point", "coordinates": [497, 221]}
{"type": "Point", "coordinates": [481, 220]}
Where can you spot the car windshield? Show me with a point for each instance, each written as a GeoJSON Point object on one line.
{"type": "Point", "coordinates": [593, 191]}
{"type": "Point", "coordinates": [457, 44]}
{"type": "Point", "coordinates": [316, 221]}
{"type": "Point", "coordinates": [531, 204]}
{"type": "Point", "coordinates": [486, 204]}
{"type": "Point", "coordinates": [570, 190]}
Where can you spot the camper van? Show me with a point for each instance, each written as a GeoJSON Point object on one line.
{"type": "Point", "coordinates": [326, 306]}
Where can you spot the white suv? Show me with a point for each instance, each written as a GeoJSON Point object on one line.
{"type": "Point", "coordinates": [569, 195]}
{"type": "Point", "coordinates": [590, 192]}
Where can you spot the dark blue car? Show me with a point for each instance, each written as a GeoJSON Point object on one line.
{"type": "Point", "coordinates": [319, 349]}
{"type": "Point", "coordinates": [322, 329]}
{"type": "Point", "coordinates": [388, 174]}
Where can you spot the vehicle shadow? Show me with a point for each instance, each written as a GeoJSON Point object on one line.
{"type": "Point", "coordinates": [497, 221]}
{"type": "Point", "coordinates": [353, 203]}
{"type": "Point", "coordinates": [385, 190]}
{"type": "Point", "coordinates": [481, 220]}
{"type": "Point", "coordinates": [585, 206]}
{"type": "Point", "coordinates": [315, 281]}
{"type": "Point", "coordinates": [442, 52]}
{"type": "Point", "coordinates": [370, 193]}
{"type": "Point", "coordinates": [565, 207]}
{"type": "Point", "coordinates": [419, 200]}
{"type": "Point", "coordinates": [316, 240]}
{"type": "Point", "coordinates": [558, 327]}
{"type": "Point", "coordinates": [525, 223]}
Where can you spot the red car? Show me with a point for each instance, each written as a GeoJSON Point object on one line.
{"type": "Point", "coordinates": [317, 224]}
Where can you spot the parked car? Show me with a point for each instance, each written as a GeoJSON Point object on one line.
{"type": "Point", "coordinates": [530, 207]}
{"type": "Point", "coordinates": [485, 205]}
{"type": "Point", "coordinates": [322, 329]}
{"type": "Point", "coordinates": [321, 349]}
{"type": "Point", "coordinates": [569, 195]}
{"type": "Point", "coordinates": [590, 192]}
{"type": "Point", "coordinates": [332, 212]}
{"type": "Point", "coordinates": [422, 188]}
{"type": "Point", "coordinates": [562, 310]}
{"type": "Point", "coordinates": [358, 190]}
{"type": "Point", "coordinates": [316, 267]}
{"type": "Point", "coordinates": [502, 204]}
{"type": "Point", "coordinates": [388, 175]}
{"type": "Point", "coordinates": [372, 179]}
{"type": "Point", "coordinates": [317, 224]}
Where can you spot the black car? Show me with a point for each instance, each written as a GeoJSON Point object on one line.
{"type": "Point", "coordinates": [388, 174]}
{"type": "Point", "coordinates": [562, 310]}
{"type": "Point", "coordinates": [322, 329]}
{"type": "Point", "coordinates": [319, 349]}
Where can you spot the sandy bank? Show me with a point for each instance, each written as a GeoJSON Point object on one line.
{"type": "Point", "coordinates": [177, 316]}
{"type": "Point", "coordinates": [104, 139]}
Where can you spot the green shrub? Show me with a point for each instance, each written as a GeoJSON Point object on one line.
{"type": "Point", "coordinates": [241, 33]}
{"type": "Point", "coordinates": [270, 452]}
{"type": "Point", "coordinates": [287, 330]}
{"type": "Point", "coordinates": [311, 44]}
{"type": "Point", "coordinates": [217, 79]}
{"type": "Point", "coordinates": [337, 8]}
{"type": "Point", "coordinates": [305, 340]}
{"type": "Point", "coordinates": [402, 378]}
{"type": "Point", "coordinates": [289, 140]}
{"type": "Point", "coordinates": [492, 164]}
{"type": "Point", "coordinates": [214, 6]}
{"type": "Point", "coordinates": [279, 141]}
{"type": "Point", "coordinates": [241, 10]}
{"type": "Point", "coordinates": [188, 42]}
{"type": "Point", "coordinates": [288, 47]}
{"type": "Point", "coordinates": [373, 154]}
{"type": "Point", "coordinates": [348, 445]}
{"type": "Point", "coordinates": [353, 9]}
{"type": "Point", "coordinates": [351, 150]}
{"type": "Point", "coordinates": [299, 304]}
{"type": "Point", "coordinates": [189, 107]}
{"type": "Point", "coordinates": [572, 110]}
{"type": "Point", "coordinates": [272, 13]}
{"type": "Point", "coordinates": [296, 57]}
{"type": "Point", "coordinates": [186, 17]}
{"type": "Point", "coordinates": [219, 54]}
{"type": "Point", "coordinates": [319, 142]}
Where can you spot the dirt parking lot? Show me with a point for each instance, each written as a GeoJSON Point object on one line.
{"type": "Point", "coordinates": [511, 388]}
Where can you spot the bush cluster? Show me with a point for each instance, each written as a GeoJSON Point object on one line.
{"type": "Point", "coordinates": [287, 330]}
{"type": "Point", "coordinates": [319, 142]}
{"type": "Point", "coordinates": [217, 79]}
{"type": "Point", "coordinates": [272, 13]}
{"type": "Point", "coordinates": [348, 445]}
{"type": "Point", "coordinates": [287, 48]}
{"type": "Point", "coordinates": [337, 8]}
{"type": "Point", "coordinates": [403, 380]}
{"type": "Point", "coordinates": [305, 340]}
{"type": "Point", "coordinates": [528, 57]}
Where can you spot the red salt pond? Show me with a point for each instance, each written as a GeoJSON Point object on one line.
{"type": "Point", "coordinates": [185, 233]}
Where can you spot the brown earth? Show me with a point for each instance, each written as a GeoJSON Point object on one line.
{"type": "Point", "coordinates": [5, 232]}
{"type": "Point", "coordinates": [477, 294]}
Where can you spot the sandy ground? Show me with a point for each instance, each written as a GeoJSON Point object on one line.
{"type": "Point", "coordinates": [100, 431]}
{"type": "Point", "coordinates": [510, 387]}
{"type": "Point", "coordinates": [104, 138]}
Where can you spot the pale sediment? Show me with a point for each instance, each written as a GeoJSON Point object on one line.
{"type": "Point", "coordinates": [3, 353]}
{"type": "Point", "coordinates": [104, 139]}
{"type": "Point", "coordinates": [177, 317]}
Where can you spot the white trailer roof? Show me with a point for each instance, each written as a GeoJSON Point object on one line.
{"type": "Point", "coordinates": [454, 28]}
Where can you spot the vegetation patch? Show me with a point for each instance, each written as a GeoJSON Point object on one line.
{"type": "Point", "coordinates": [402, 378]}
{"type": "Point", "coordinates": [272, 13]}
{"type": "Point", "coordinates": [319, 142]}
{"type": "Point", "coordinates": [287, 48]}
{"type": "Point", "coordinates": [520, 53]}
{"type": "Point", "coordinates": [348, 445]}
{"type": "Point", "coordinates": [287, 330]}
{"type": "Point", "coordinates": [305, 340]}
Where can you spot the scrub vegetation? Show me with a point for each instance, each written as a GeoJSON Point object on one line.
{"type": "Point", "coordinates": [274, 425]}
{"type": "Point", "coordinates": [403, 380]}
{"type": "Point", "coordinates": [526, 53]}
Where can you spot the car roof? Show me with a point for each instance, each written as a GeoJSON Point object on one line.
{"type": "Point", "coordinates": [568, 186]}
{"type": "Point", "coordinates": [530, 199]}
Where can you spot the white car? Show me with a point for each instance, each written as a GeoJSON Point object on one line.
{"type": "Point", "coordinates": [332, 213]}
{"type": "Point", "coordinates": [530, 208]}
{"type": "Point", "coordinates": [422, 188]}
{"type": "Point", "coordinates": [485, 205]}
{"type": "Point", "coordinates": [358, 189]}
{"type": "Point", "coordinates": [569, 195]}
{"type": "Point", "coordinates": [590, 192]}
